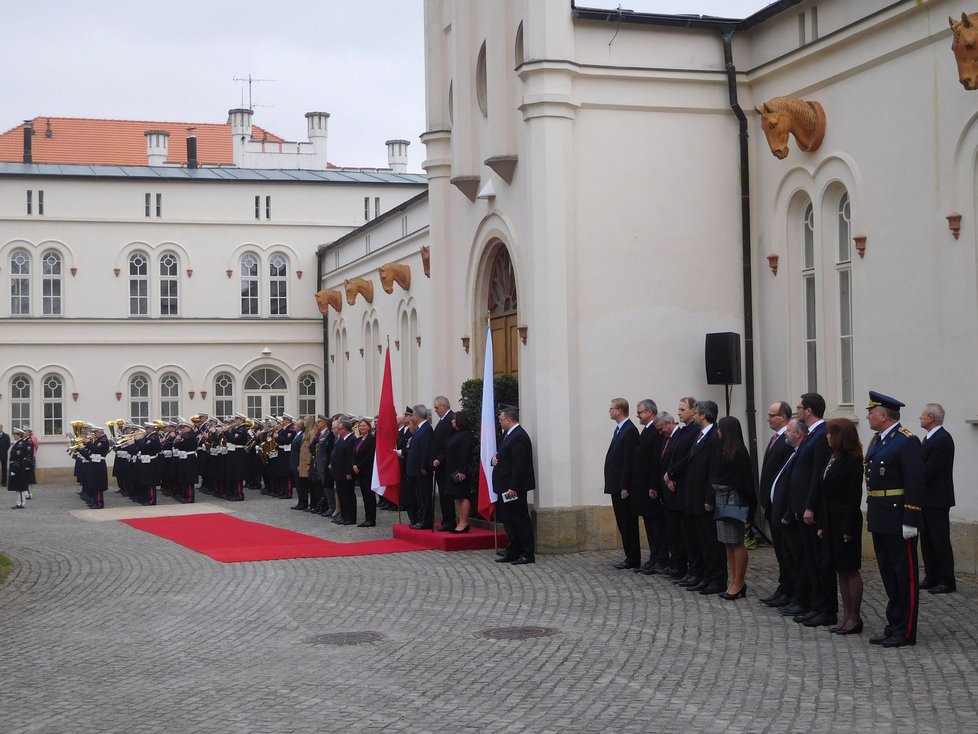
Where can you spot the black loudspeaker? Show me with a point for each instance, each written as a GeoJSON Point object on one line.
{"type": "Point", "coordinates": [723, 358]}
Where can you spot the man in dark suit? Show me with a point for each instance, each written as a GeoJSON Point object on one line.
{"type": "Point", "coordinates": [439, 440]}
{"type": "Point", "coordinates": [815, 603]}
{"type": "Point", "coordinates": [4, 454]}
{"type": "Point", "coordinates": [935, 528]}
{"type": "Point", "coordinates": [894, 493]}
{"type": "Point", "coordinates": [646, 493]}
{"type": "Point", "coordinates": [512, 479]}
{"type": "Point", "coordinates": [618, 481]}
{"type": "Point", "coordinates": [419, 468]}
{"type": "Point", "coordinates": [784, 529]}
{"type": "Point", "coordinates": [686, 555]}
{"type": "Point", "coordinates": [775, 455]}
{"type": "Point", "coordinates": [341, 467]}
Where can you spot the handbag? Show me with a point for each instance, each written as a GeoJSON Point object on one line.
{"type": "Point", "coordinates": [731, 512]}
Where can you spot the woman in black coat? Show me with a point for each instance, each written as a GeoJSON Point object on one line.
{"type": "Point", "coordinates": [733, 483]}
{"type": "Point", "coordinates": [840, 519]}
{"type": "Point", "coordinates": [363, 469]}
{"type": "Point", "coordinates": [460, 469]}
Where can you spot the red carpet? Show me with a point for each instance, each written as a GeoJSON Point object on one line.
{"type": "Point", "coordinates": [230, 540]}
{"type": "Point", "coordinates": [475, 539]}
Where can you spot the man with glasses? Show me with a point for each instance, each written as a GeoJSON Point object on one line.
{"type": "Point", "coordinates": [775, 455]}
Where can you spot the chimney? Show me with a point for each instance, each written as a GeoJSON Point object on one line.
{"type": "Point", "coordinates": [240, 121]}
{"type": "Point", "coordinates": [316, 132]}
{"type": "Point", "coordinates": [28, 133]}
{"type": "Point", "coordinates": [157, 146]}
{"type": "Point", "coordinates": [191, 151]}
{"type": "Point", "coordinates": [397, 155]}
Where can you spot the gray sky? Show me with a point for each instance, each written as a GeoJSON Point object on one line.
{"type": "Point", "coordinates": [360, 60]}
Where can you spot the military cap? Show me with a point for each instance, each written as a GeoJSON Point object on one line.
{"type": "Point", "coordinates": [17, 431]}
{"type": "Point", "coordinates": [883, 401]}
{"type": "Point", "coordinates": [408, 410]}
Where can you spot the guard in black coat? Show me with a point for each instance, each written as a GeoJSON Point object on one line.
{"type": "Point", "coordinates": [512, 479]}
{"type": "Point", "coordinates": [618, 481]}
{"type": "Point", "coordinates": [646, 492]}
{"type": "Point", "coordinates": [935, 528]}
{"type": "Point", "coordinates": [97, 475]}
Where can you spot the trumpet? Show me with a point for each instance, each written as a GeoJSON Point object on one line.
{"type": "Point", "coordinates": [128, 440]}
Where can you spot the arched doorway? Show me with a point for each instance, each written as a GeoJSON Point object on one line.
{"type": "Point", "coordinates": [265, 391]}
{"type": "Point", "coordinates": [502, 313]}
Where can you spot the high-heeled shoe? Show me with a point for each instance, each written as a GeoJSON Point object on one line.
{"type": "Point", "coordinates": [856, 629]}
{"type": "Point", "coordinates": [742, 594]}
{"type": "Point", "coordinates": [456, 531]}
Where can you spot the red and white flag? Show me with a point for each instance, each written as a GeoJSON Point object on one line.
{"type": "Point", "coordinates": [487, 497]}
{"type": "Point", "coordinates": [386, 479]}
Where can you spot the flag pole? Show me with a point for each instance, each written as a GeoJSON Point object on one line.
{"type": "Point", "coordinates": [495, 520]}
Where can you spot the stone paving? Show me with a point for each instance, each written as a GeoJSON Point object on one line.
{"type": "Point", "coordinates": [108, 629]}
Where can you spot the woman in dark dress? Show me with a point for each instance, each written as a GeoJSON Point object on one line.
{"type": "Point", "coordinates": [733, 483]}
{"type": "Point", "coordinates": [459, 468]}
{"type": "Point", "coordinates": [363, 468]}
{"type": "Point", "coordinates": [840, 520]}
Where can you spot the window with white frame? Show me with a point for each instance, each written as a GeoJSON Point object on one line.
{"type": "Point", "coordinates": [808, 274]}
{"type": "Point", "coordinates": [138, 284]}
{"type": "Point", "coordinates": [20, 283]}
{"type": "Point", "coordinates": [307, 394]}
{"type": "Point", "coordinates": [843, 269]}
{"type": "Point", "coordinates": [54, 406]}
{"type": "Point", "coordinates": [51, 284]}
{"type": "Point", "coordinates": [224, 395]}
{"type": "Point", "coordinates": [249, 285]}
{"type": "Point", "coordinates": [139, 399]}
{"type": "Point", "coordinates": [20, 401]}
{"type": "Point", "coordinates": [278, 270]}
{"type": "Point", "coordinates": [169, 397]}
{"type": "Point", "coordinates": [169, 284]}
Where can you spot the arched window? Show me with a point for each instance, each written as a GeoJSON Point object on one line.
{"type": "Point", "coordinates": [278, 271]}
{"type": "Point", "coordinates": [169, 397]}
{"type": "Point", "coordinates": [20, 283]}
{"type": "Point", "coordinates": [843, 269]}
{"type": "Point", "coordinates": [20, 401]}
{"type": "Point", "coordinates": [249, 285]}
{"type": "Point", "coordinates": [139, 399]}
{"type": "Point", "coordinates": [481, 92]}
{"type": "Point", "coordinates": [169, 284]}
{"type": "Point", "coordinates": [808, 275]}
{"type": "Point", "coordinates": [502, 307]}
{"type": "Point", "coordinates": [51, 282]}
{"type": "Point", "coordinates": [224, 396]}
{"type": "Point", "coordinates": [265, 391]}
{"type": "Point", "coordinates": [307, 394]}
{"type": "Point", "coordinates": [54, 406]}
{"type": "Point", "coordinates": [138, 285]}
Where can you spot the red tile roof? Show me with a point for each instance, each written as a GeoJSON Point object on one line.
{"type": "Point", "coordinates": [120, 142]}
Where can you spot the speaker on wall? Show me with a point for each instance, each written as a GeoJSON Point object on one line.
{"type": "Point", "coordinates": [723, 358]}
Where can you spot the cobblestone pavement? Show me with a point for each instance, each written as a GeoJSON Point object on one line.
{"type": "Point", "coordinates": [108, 629]}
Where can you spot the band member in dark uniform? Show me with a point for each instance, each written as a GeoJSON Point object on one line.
{"type": "Point", "coordinates": [185, 448]}
{"type": "Point", "coordinates": [19, 467]}
{"type": "Point", "coordinates": [147, 468]}
{"type": "Point", "coordinates": [236, 438]}
{"type": "Point", "coordinates": [281, 469]}
{"type": "Point", "coordinates": [96, 477]}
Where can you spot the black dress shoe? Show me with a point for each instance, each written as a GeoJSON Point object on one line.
{"type": "Point", "coordinates": [688, 581]}
{"type": "Point", "coordinates": [300, 507]}
{"type": "Point", "coordinates": [942, 589]}
{"type": "Point", "coordinates": [367, 524]}
{"type": "Point", "coordinates": [502, 552]}
{"type": "Point", "coordinates": [416, 526]}
{"type": "Point", "coordinates": [443, 528]}
{"type": "Point", "coordinates": [742, 594]}
{"type": "Point", "coordinates": [711, 589]}
{"type": "Point", "coordinates": [625, 564]}
{"type": "Point", "coordinates": [856, 629]}
{"type": "Point", "coordinates": [647, 571]}
{"type": "Point", "coordinates": [804, 617]}
{"type": "Point", "coordinates": [879, 639]}
{"type": "Point", "coordinates": [791, 610]}
{"type": "Point", "coordinates": [768, 599]}
{"type": "Point", "coordinates": [523, 560]}
{"type": "Point", "coordinates": [698, 587]}
{"type": "Point", "coordinates": [507, 558]}
{"type": "Point", "coordinates": [778, 600]}
{"type": "Point", "coordinates": [456, 531]}
{"type": "Point", "coordinates": [896, 642]}
{"type": "Point", "coordinates": [821, 620]}
{"type": "Point", "coordinates": [928, 584]}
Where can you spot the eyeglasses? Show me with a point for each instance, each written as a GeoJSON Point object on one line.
{"type": "Point", "coordinates": [773, 415]}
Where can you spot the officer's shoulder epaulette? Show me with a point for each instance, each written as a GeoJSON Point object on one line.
{"type": "Point", "coordinates": [906, 432]}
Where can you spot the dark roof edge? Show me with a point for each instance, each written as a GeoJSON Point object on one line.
{"type": "Point", "coordinates": [375, 222]}
{"type": "Point", "coordinates": [703, 22]}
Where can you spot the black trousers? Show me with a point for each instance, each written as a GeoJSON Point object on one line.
{"type": "Point", "coordinates": [655, 531]}
{"type": "Point", "coordinates": [693, 540]}
{"type": "Point", "coordinates": [369, 501]}
{"type": "Point", "coordinates": [896, 559]}
{"type": "Point", "coordinates": [935, 545]}
{"type": "Point", "coordinates": [783, 554]}
{"type": "Point", "coordinates": [423, 491]}
{"type": "Point", "coordinates": [346, 494]}
{"type": "Point", "coordinates": [714, 552]}
{"type": "Point", "coordinates": [677, 545]}
{"type": "Point", "coordinates": [515, 517]}
{"type": "Point", "coordinates": [823, 580]}
{"type": "Point", "coordinates": [3, 470]}
{"type": "Point", "coordinates": [447, 503]}
{"type": "Point", "coordinates": [627, 528]}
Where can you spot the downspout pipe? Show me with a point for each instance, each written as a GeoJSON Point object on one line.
{"type": "Point", "coordinates": [319, 282]}
{"type": "Point", "coordinates": [746, 263]}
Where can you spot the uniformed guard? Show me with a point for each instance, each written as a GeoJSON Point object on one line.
{"type": "Point", "coordinates": [96, 476]}
{"type": "Point", "coordinates": [236, 438]}
{"type": "Point", "coordinates": [21, 459]}
{"type": "Point", "coordinates": [185, 449]}
{"type": "Point", "coordinates": [282, 473]}
{"type": "Point", "coordinates": [894, 489]}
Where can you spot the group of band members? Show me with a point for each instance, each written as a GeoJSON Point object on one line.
{"type": "Point", "coordinates": [690, 482]}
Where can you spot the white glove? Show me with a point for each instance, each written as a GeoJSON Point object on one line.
{"type": "Point", "coordinates": [909, 531]}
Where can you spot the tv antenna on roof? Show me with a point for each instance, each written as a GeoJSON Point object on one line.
{"type": "Point", "coordinates": [251, 81]}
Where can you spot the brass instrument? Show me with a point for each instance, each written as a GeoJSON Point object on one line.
{"type": "Point", "coordinates": [267, 447]}
{"type": "Point", "coordinates": [77, 439]}
{"type": "Point", "coordinates": [115, 428]}
{"type": "Point", "coordinates": [128, 439]}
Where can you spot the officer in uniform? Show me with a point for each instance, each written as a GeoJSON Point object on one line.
{"type": "Point", "coordinates": [21, 458]}
{"type": "Point", "coordinates": [96, 476]}
{"type": "Point", "coordinates": [894, 489]}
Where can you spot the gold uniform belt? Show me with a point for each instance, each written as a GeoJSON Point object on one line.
{"type": "Point", "coordinates": [887, 492]}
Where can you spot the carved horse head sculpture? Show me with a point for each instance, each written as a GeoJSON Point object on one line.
{"type": "Point", "coordinates": [395, 273]}
{"type": "Point", "coordinates": [783, 115]}
{"type": "Point", "coordinates": [325, 299]}
{"type": "Point", "coordinates": [965, 40]}
{"type": "Point", "coordinates": [358, 286]}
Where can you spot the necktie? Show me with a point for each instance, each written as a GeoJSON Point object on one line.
{"type": "Point", "coordinates": [771, 442]}
{"type": "Point", "coordinates": [665, 446]}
